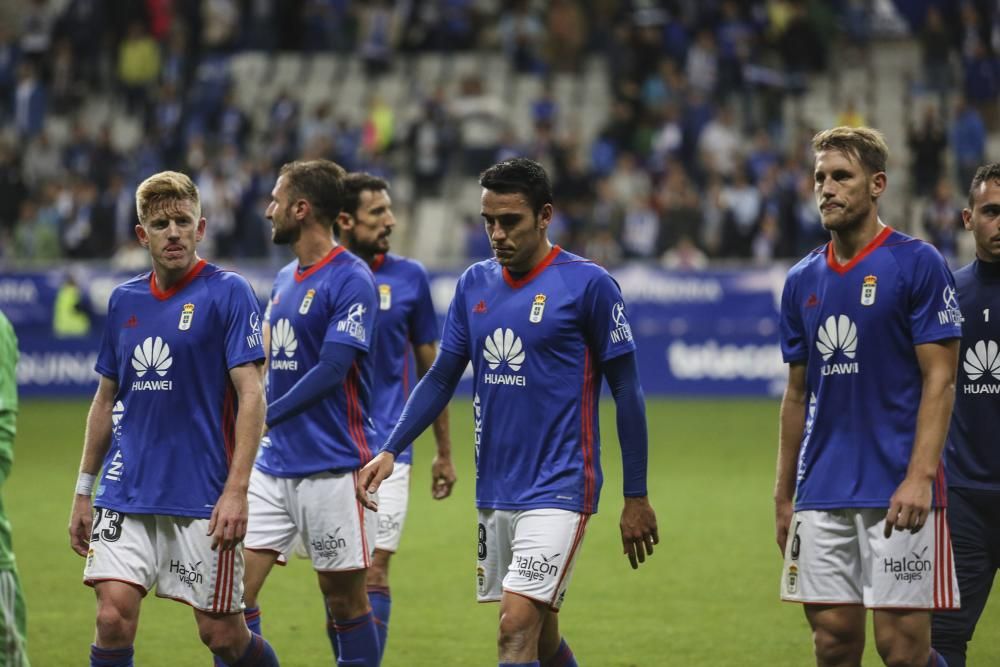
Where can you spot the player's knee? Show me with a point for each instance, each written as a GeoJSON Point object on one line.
{"type": "Point", "coordinates": [377, 575]}
{"type": "Point", "coordinates": [836, 648]}
{"type": "Point", "coordinates": [901, 652]}
{"type": "Point", "coordinates": [114, 627]}
{"type": "Point", "coordinates": [515, 633]}
{"type": "Point", "coordinates": [347, 605]}
{"type": "Point", "coordinates": [222, 640]}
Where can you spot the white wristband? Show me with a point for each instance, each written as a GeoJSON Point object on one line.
{"type": "Point", "coordinates": [85, 484]}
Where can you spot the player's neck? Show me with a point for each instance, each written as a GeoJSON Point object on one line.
{"type": "Point", "coordinates": [166, 278]}
{"type": "Point", "coordinates": [366, 256]}
{"type": "Point", "coordinates": [848, 243]}
{"type": "Point", "coordinates": [543, 250]}
{"type": "Point", "coordinates": [314, 243]}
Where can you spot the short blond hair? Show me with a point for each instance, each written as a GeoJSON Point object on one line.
{"type": "Point", "coordinates": [865, 144]}
{"type": "Point", "coordinates": [163, 187]}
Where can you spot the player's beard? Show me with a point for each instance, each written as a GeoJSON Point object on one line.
{"type": "Point", "coordinates": [282, 233]}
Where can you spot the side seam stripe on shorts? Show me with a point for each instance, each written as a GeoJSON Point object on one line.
{"type": "Point", "coordinates": [944, 591]}
{"type": "Point", "coordinates": [223, 597]}
{"type": "Point", "coordinates": [577, 538]}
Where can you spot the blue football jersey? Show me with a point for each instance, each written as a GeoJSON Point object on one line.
{"type": "Point", "coordinates": [536, 345]}
{"type": "Point", "coordinates": [972, 457]}
{"type": "Point", "coordinates": [175, 411]}
{"type": "Point", "coordinates": [855, 327]}
{"type": "Point", "coordinates": [332, 301]}
{"type": "Point", "coordinates": [406, 319]}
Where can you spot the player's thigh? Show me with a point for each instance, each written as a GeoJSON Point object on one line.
{"type": "Point", "coordinates": [902, 634]}
{"type": "Point", "coordinates": [393, 500]}
{"type": "Point", "coordinates": [838, 630]}
{"type": "Point", "coordinates": [544, 548]}
{"type": "Point", "coordinates": [337, 530]}
{"type": "Point", "coordinates": [271, 526]}
{"type": "Point", "coordinates": [822, 559]}
{"type": "Point", "coordinates": [345, 592]}
{"type": "Point", "coordinates": [908, 570]}
{"type": "Point", "coordinates": [521, 617]}
{"type": "Point", "coordinates": [122, 549]}
{"type": "Point", "coordinates": [190, 571]}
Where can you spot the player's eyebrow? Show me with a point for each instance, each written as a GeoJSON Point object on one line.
{"type": "Point", "coordinates": [503, 218]}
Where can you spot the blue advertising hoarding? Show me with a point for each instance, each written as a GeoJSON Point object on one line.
{"type": "Point", "coordinates": [708, 333]}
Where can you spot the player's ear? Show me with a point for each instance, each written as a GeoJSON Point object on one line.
{"type": "Point", "coordinates": [343, 222]}
{"type": "Point", "coordinates": [140, 233]}
{"type": "Point", "coordinates": [544, 216]}
{"type": "Point", "coordinates": [878, 184]}
{"type": "Point", "coordinates": [967, 218]}
{"type": "Point", "coordinates": [200, 234]}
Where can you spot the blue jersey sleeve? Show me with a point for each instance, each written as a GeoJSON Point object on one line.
{"type": "Point", "coordinates": [423, 319]}
{"type": "Point", "coordinates": [603, 310]}
{"type": "Point", "coordinates": [352, 317]}
{"type": "Point", "coordinates": [455, 337]}
{"type": "Point", "coordinates": [934, 309]}
{"type": "Point", "coordinates": [243, 322]}
{"type": "Point", "coordinates": [107, 357]}
{"type": "Point", "coordinates": [794, 344]}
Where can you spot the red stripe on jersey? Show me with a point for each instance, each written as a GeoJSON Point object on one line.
{"type": "Point", "coordinates": [302, 275]}
{"type": "Point", "coordinates": [229, 420]}
{"type": "Point", "coordinates": [577, 539]}
{"type": "Point", "coordinates": [521, 282]}
{"type": "Point", "coordinates": [361, 522]}
{"type": "Point", "coordinates": [355, 419]}
{"type": "Point", "coordinates": [831, 260]}
{"type": "Point", "coordinates": [163, 295]}
{"type": "Point", "coordinates": [587, 433]}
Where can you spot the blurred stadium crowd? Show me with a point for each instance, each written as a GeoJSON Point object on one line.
{"type": "Point", "coordinates": [671, 128]}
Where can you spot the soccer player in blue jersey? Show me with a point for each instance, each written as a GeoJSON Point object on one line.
{"type": "Point", "coordinates": [869, 328]}
{"type": "Point", "coordinates": [174, 425]}
{"type": "Point", "coordinates": [541, 327]}
{"type": "Point", "coordinates": [971, 454]}
{"type": "Point", "coordinates": [321, 323]}
{"type": "Point", "coordinates": [407, 332]}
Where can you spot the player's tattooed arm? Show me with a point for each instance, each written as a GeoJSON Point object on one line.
{"type": "Point", "coordinates": [228, 523]}
{"type": "Point", "coordinates": [911, 503]}
{"type": "Point", "coordinates": [442, 469]}
{"type": "Point", "coordinates": [96, 441]}
{"type": "Point", "coordinates": [791, 427]}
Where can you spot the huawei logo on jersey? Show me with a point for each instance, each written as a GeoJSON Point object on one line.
{"type": "Point", "coordinates": [838, 334]}
{"type": "Point", "coordinates": [503, 348]}
{"type": "Point", "coordinates": [152, 354]}
{"type": "Point", "coordinates": [283, 340]}
{"type": "Point", "coordinates": [982, 359]}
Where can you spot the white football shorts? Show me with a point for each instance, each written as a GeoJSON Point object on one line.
{"type": "Point", "coordinates": [528, 552]}
{"type": "Point", "coordinates": [337, 531]}
{"type": "Point", "coordinates": [843, 557]}
{"type": "Point", "coordinates": [393, 500]}
{"type": "Point", "coordinates": [172, 553]}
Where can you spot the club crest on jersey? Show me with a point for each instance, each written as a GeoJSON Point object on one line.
{"type": "Point", "coordinates": [537, 309]}
{"type": "Point", "coordinates": [187, 315]}
{"type": "Point", "coordinates": [307, 301]}
{"type": "Point", "coordinates": [868, 290]}
{"type": "Point", "coordinates": [384, 297]}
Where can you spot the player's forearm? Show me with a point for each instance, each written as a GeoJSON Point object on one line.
{"type": "Point", "coordinates": [623, 379]}
{"type": "Point", "coordinates": [248, 427]}
{"type": "Point", "coordinates": [933, 416]}
{"type": "Point", "coordinates": [97, 436]}
{"type": "Point", "coordinates": [791, 427]}
{"type": "Point", "coordinates": [442, 434]}
{"type": "Point", "coordinates": [334, 363]}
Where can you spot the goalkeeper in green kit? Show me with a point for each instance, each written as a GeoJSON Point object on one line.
{"type": "Point", "coordinates": [13, 621]}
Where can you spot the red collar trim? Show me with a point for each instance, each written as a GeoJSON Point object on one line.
{"type": "Point", "coordinates": [302, 275]}
{"type": "Point", "coordinates": [377, 263]}
{"type": "Point", "coordinates": [518, 283]}
{"type": "Point", "coordinates": [831, 261]}
{"type": "Point", "coordinates": [163, 296]}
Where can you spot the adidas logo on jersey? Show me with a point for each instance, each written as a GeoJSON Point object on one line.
{"type": "Point", "coordinates": [982, 360]}
{"type": "Point", "coordinates": [838, 334]}
{"type": "Point", "coordinates": [152, 355]}
{"type": "Point", "coordinates": [283, 340]}
{"type": "Point", "coordinates": [504, 348]}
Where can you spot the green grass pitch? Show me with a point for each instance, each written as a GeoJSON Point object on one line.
{"type": "Point", "coordinates": [708, 597]}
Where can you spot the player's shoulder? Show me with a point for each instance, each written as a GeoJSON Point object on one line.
{"type": "Point", "coordinates": [904, 247]}
{"type": "Point", "coordinates": [484, 272]}
{"type": "Point", "coordinates": [217, 277]}
{"type": "Point", "coordinates": [575, 268]}
{"type": "Point", "coordinates": [814, 260]}
{"type": "Point", "coordinates": [965, 276]}
{"type": "Point", "coordinates": [133, 287]}
{"type": "Point", "coordinates": [406, 266]}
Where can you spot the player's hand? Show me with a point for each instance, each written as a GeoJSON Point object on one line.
{"type": "Point", "coordinates": [442, 477]}
{"type": "Point", "coordinates": [639, 532]}
{"type": "Point", "coordinates": [909, 506]}
{"type": "Point", "coordinates": [228, 525]}
{"type": "Point", "coordinates": [783, 510]}
{"type": "Point", "coordinates": [81, 524]}
{"type": "Point", "coordinates": [371, 476]}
